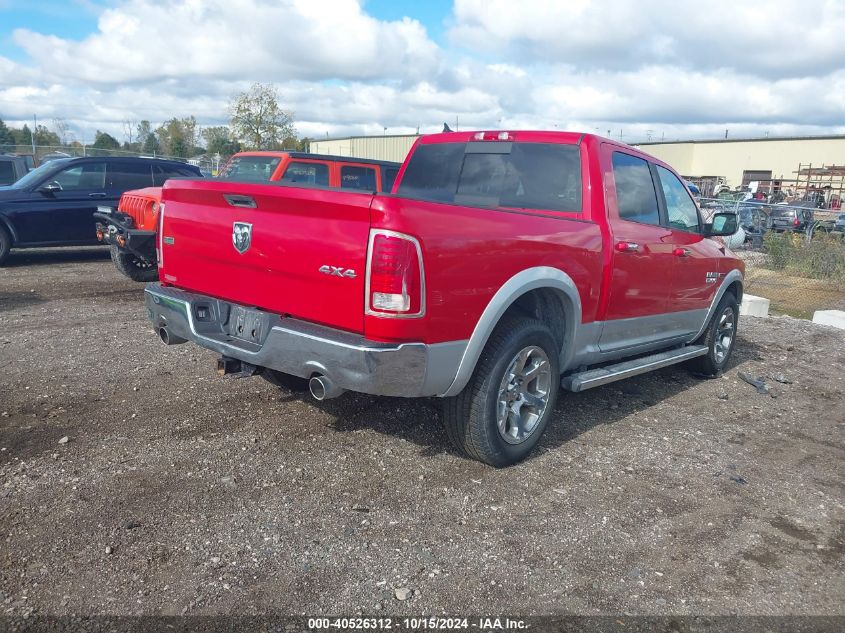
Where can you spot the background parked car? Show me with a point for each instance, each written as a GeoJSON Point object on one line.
{"type": "Point", "coordinates": [12, 168]}
{"type": "Point", "coordinates": [787, 218]}
{"type": "Point", "coordinates": [54, 204]}
{"type": "Point", "coordinates": [839, 225]}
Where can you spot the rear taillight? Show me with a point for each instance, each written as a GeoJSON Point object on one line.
{"type": "Point", "coordinates": [795, 222]}
{"type": "Point", "coordinates": [160, 236]}
{"type": "Point", "coordinates": [395, 284]}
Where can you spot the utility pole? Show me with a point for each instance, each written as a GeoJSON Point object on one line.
{"type": "Point", "coordinates": [32, 135]}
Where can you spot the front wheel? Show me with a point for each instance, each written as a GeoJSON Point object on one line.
{"type": "Point", "coordinates": [719, 337]}
{"type": "Point", "coordinates": [502, 412]}
{"type": "Point", "coordinates": [133, 267]}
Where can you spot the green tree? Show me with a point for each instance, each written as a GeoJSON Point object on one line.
{"type": "Point", "coordinates": [218, 140]}
{"type": "Point", "coordinates": [6, 137]}
{"type": "Point", "coordinates": [178, 137]}
{"type": "Point", "coordinates": [22, 136]}
{"type": "Point", "coordinates": [45, 136]}
{"type": "Point", "coordinates": [257, 119]}
{"type": "Point", "coordinates": [104, 140]}
{"type": "Point", "coordinates": [151, 145]}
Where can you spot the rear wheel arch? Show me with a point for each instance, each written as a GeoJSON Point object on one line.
{"type": "Point", "coordinates": [6, 224]}
{"type": "Point", "coordinates": [546, 294]}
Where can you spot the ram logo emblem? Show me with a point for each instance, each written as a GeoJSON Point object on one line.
{"type": "Point", "coordinates": [241, 236]}
{"type": "Point", "coordinates": [335, 271]}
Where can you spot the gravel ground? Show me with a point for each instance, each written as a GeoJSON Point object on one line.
{"type": "Point", "coordinates": [136, 481]}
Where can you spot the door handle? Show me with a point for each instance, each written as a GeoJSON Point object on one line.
{"type": "Point", "coordinates": [97, 194]}
{"type": "Point", "coordinates": [682, 252]}
{"type": "Point", "coordinates": [627, 247]}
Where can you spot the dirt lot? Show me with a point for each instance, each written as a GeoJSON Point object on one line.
{"type": "Point", "coordinates": [178, 491]}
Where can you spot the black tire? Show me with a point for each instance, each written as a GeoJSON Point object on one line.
{"type": "Point", "coordinates": [714, 362]}
{"type": "Point", "coordinates": [472, 417]}
{"type": "Point", "coordinates": [5, 244]}
{"type": "Point", "coordinates": [133, 267]}
{"type": "Point", "coordinates": [285, 381]}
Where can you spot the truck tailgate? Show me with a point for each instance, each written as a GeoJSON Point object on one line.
{"type": "Point", "coordinates": [287, 250]}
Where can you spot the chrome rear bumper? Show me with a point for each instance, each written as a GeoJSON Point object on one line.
{"type": "Point", "coordinates": [304, 349]}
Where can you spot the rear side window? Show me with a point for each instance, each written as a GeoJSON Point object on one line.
{"type": "Point", "coordinates": [352, 177]}
{"type": "Point", "coordinates": [7, 172]}
{"type": "Point", "coordinates": [250, 168]}
{"type": "Point", "coordinates": [125, 176]}
{"type": "Point", "coordinates": [310, 173]}
{"type": "Point", "coordinates": [539, 176]}
{"type": "Point", "coordinates": [635, 195]}
{"type": "Point", "coordinates": [682, 212]}
{"type": "Point", "coordinates": [388, 177]}
{"type": "Point", "coordinates": [161, 173]}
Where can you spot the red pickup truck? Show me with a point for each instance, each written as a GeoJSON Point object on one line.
{"type": "Point", "coordinates": [502, 267]}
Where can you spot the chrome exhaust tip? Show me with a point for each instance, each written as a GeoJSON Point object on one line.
{"type": "Point", "coordinates": [322, 388]}
{"type": "Point", "coordinates": [168, 338]}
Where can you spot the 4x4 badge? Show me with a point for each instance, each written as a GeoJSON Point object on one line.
{"type": "Point", "coordinates": [241, 236]}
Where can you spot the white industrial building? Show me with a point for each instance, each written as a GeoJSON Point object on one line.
{"type": "Point", "coordinates": [774, 162]}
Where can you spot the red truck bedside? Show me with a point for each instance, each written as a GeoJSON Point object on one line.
{"type": "Point", "coordinates": [502, 267]}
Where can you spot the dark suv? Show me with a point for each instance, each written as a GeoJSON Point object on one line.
{"type": "Point", "coordinates": [54, 204]}
{"type": "Point", "coordinates": [784, 218]}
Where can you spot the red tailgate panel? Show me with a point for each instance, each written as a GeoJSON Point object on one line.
{"type": "Point", "coordinates": [295, 231]}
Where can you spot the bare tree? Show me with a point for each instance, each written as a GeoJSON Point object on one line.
{"type": "Point", "coordinates": [62, 129]}
{"type": "Point", "coordinates": [129, 128]}
{"type": "Point", "coordinates": [257, 119]}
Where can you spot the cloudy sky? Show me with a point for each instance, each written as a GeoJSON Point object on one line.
{"type": "Point", "coordinates": [635, 68]}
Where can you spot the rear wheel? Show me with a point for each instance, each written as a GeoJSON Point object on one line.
{"type": "Point", "coordinates": [133, 267]}
{"type": "Point", "coordinates": [5, 244]}
{"type": "Point", "coordinates": [719, 337]}
{"type": "Point", "coordinates": [286, 381]}
{"type": "Point", "coordinates": [502, 412]}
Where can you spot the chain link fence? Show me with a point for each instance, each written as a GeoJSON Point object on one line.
{"type": "Point", "coordinates": [794, 254]}
{"type": "Point", "coordinates": [62, 151]}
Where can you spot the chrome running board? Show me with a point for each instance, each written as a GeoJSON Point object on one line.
{"type": "Point", "coordinates": [611, 373]}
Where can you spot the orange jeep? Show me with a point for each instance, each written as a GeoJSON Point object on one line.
{"type": "Point", "coordinates": [130, 229]}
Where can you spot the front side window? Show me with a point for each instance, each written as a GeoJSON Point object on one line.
{"type": "Point", "coordinates": [352, 177]}
{"type": "Point", "coordinates": [250, 168]}
{"type": "Point", "coordinates": [635, 196]}
{"type": "Point", "coordinates": [682, 211]}
{"type": "Point", "coordinates": [87, 176]}
{"type": "Point", "coordinates": [541, 176]}
{"type": "Point", "coordinates": [309, 173]}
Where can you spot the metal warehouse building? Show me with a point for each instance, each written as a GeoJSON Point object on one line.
{"type": "Point", "coordinates": [773, 162]}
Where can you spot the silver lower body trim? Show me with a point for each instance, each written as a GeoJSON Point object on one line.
{"type": "Point", "coordinates": [300, 348]}
{"type": "Point", "coordinates": [604, 375]}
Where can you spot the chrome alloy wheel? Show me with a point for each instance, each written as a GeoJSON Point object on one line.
{"type": "Point", "coordinates": [724, 335]}
{"type": "Point", "coordinates": [524, 394]}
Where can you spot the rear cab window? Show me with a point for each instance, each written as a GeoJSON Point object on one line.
{"type": "Point", "coordinates": [636, 198]}
{"type": "Point", "coordinates": [312, 173]}
{"type": "Point", "coordinates": [507, 175]}
{"type": "Point", "coordinates": [250, 168]}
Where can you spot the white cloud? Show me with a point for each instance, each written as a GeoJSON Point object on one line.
{"type": "Point", "coordinates": [770, 37]}
{"type": "Point", "coordinates": [147, 41]}
{"type": "Point", "coordinates": [648, 66]}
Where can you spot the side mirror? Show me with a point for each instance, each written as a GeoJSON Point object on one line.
{"type": "Point", "coordinates": [50, 188]}
{"type": "Point", "coordinates": [723, 225]}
